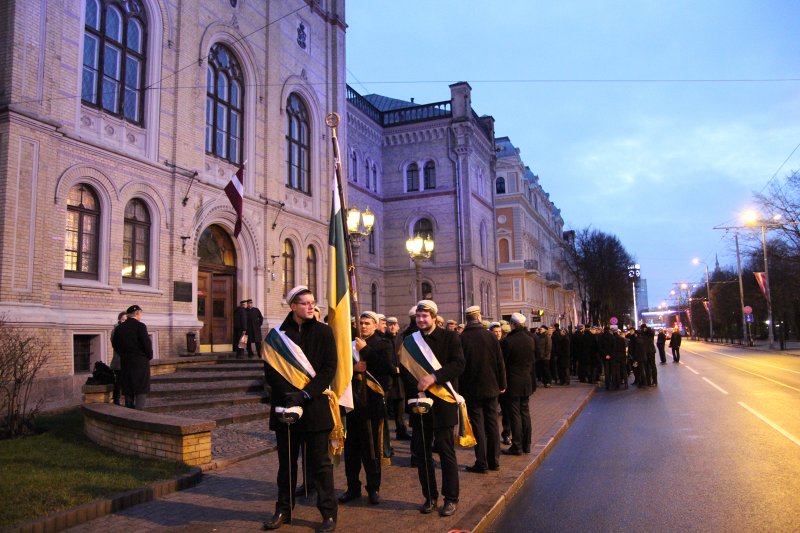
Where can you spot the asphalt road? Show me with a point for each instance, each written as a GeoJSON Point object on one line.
{"type": "Point", "coordinates": [715, 447]}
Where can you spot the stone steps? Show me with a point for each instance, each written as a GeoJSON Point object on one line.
{"type": "Point", "coordinates": [225, 367]}
{"type": "Point", "coordinates": [229, 414]}
{"type": "Point", "coordinates": [171, 405]}
{"type": "Point", "coordinates": [205, 388]}
{"type": "Point", "coordinates": [197, 377]}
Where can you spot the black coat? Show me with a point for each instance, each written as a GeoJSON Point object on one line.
{"type": "Point", "coordinates": [377, 355]}
{"type": "Point", "coordinates": [649, 340]}
{"type": "Point", "coordinates": [518, 351]}
{"type": "Point", "coordinates": [446, 347]}
{"type": "Point", "coordinates": [544, 346]}
{"type": "Point", "coordinates": [618, 348]}
{"type": "Point", "coordinates": [661, 340]}
{"type": "Point", "coordinates": [254, 321]}
{"type": "Point", "coordinates": [316, 341]}
{"type": "Point", "coordinates": [561, 345]}
{"type": "Point", "coordinates": [606, 344]}
{"type": "Point", "coordinates": [239, 321]}
{"type": "Point", "coordinates": [484, 370]}
{"type": "Point", "coordinates": [675, 340]}
{"type": "Point", "coordinates": [395, 389]}
{"type": "Point", "coordinates": [132, 343]}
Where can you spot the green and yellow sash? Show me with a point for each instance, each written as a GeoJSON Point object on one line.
{"type": "Point", "coordinates": [418, 358]}
{"type": "Point", "coordinates": [372, 383]}
{"type": "Point", "coordinates": [287, 358]}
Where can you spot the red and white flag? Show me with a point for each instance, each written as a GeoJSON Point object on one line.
{"type": "Point", "coordinates": [235, 192]}
{"type": "Point", "coordinates": [761, 278]}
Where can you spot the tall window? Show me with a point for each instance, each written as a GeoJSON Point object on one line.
{"type": "Point", "coordinates": [224, 104]}
{"type": "Point", "coordinates": [482, 237]}
{"type": "Point", "coordinates": [427, 291]}
{"type": "Point", "coordinates": [412, 177]}
{"type": "Point", "coordinates": [500, 186]}
{"type": "Point", "coordinates": [114, 57]}
{"type": "Point", "coordinates": [374, 178]}
{"type": "Point", "coordinates": [136, 243]}
{"type": "Point", "coordinates": [371, 241]}
{"type": "Point", "coordinates": [81, 242]}
{"type": "Point", "coordinates": [429, 175]}
{"type": "Point", "coordinates": [374, 296]}
{"type": "Point", "coordinates": [354, 167]}
{"type": "Point", "coordinates": [504, 251]}
{"type": "Point", "coordinates": [298, 156]}
{"type": "Point", "coordinates": [288, 266]}
{"type": "Point", "coordinates": [311, 269]}
{"type": "Point", "coordinates": [423, 227]}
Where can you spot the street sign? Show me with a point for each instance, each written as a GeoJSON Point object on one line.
{"type": "Point", "coordinates": [614, 321]}
{"type": "Point", "coordinates": [748, 310]}
{"type": "Point", "coordinates": [748, 318]}
{"type": "Point", "coordinates": [536, 318]}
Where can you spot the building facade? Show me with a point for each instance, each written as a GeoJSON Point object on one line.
{"type": "Point", "coordinates": [533, 278]}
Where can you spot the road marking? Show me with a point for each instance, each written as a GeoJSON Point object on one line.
{"type": "Point", "coordinates": [753, 373]}
{"type": "Point", "coordinates": [723, 391]}
{"type": "Point", "coordinates": [691, 369]}
{"type": "Point", "coordinates": [771, 424]}
{"type": "Point", "coordinates": [755, 362]}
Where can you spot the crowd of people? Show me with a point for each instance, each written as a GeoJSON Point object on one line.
{"type": "Point", "coordinates": [442, 383]}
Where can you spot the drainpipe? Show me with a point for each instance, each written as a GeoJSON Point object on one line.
{"type": "Point", "coordinates": [459, 226]}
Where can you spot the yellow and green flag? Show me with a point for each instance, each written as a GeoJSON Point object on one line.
{"type": "Point", "coordinates": [339, 302]}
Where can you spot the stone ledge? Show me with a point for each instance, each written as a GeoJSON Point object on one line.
{"type": "Point", "coordinates": [145, 420]}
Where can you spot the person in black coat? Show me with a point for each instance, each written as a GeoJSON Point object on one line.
{"type": "Point", "coordinates": [364, 442]}
{"type": "Point", "coordinates": [518, 350]}
{"type": "Point", "coordinates": [131, 341]}
{"type": "Point", "coordinates": [610, 367]}
{"type": "Point", "coordinates": [561, 351]}
{"type": "Point", "coordinates": [675, 345]}
{"type": "Point", "coordinates": [436, 426]}
{"type": "Point", "coordinates": [620, 358]}
{"type": "Point", "coordinates": [649, 336]}
{"type": "Point", "coordinates": [395, 395]}
{"type": "Point", "coordinates": [254, 321]}
{"type": "Point", "coordinates": [661, 341]}
{"type": "Point", "coordinates": [314, 427]}
{"type": "Point", "coordinates": [239, 326]}
{"type": "Point", "coordinates": [483, 380]}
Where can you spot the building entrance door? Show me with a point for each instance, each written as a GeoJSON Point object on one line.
{"type": "Point", "coordinates": [216, 289]}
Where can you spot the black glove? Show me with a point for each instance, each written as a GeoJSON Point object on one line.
{"type": "Point", "coordinates": [296, 398]}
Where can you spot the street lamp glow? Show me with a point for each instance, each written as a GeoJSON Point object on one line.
{"type": "Point", "coordinates": [695, 261]}
{"type": "Point", "coordinates": [684, 286]}
{"type": "Point", "coordinates": [750, 217]}
{"type": "Point", "coordinates": [353, 218]}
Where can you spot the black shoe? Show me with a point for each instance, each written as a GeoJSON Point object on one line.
{"type": "Point", "coordinates": [475, 469]}
{"type": "Point", "coordinates": [526, 451]}
{"type": "Point", "coordinates": [277, 520]}
{"type": "Point", "coordinates": [427, 507]}
{"type": "Point", "coordinates": [449, 508]}
{"type": "Point", "coordinates": [506, 440]}
{"type": "Point", "coordinates": [511, 451]}
{"type": "Point", "coordinates": [374, 497]}
{"type": "Point", "coordinates": [328, 525]}
{"type": "Point", "coordinates": [494, 468]}
{"type": "Point", "coordinates": [349, 496]}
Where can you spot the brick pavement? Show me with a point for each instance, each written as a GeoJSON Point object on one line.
{"type": "Point", "coordinates": [239, 497]}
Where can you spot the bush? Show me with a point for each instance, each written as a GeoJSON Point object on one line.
{"type": "Point", "coordinates": [22, 356]}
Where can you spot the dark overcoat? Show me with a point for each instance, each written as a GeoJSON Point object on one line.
{"type": "Point", "coordinates": [518, 351]}
{"type": "Point", "coordinates": [377, 355]}
{"type": "Point", "coordinates": [484, 369]}
{"type": "Point", "coordinates": [254, 321]}
{"type": "Point", "coordinates": [316, 341]}
{"type": "Point", "coordinates": [132, 343]}
{"type": "Point", "coordinates": [561, 345]}
{"type": "Point", "coordinates": [446, 347]}
{"type": "Point", "coordinates": [675, 340]}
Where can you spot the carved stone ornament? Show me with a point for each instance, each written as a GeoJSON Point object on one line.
{"type": "Point", "coordinates": [301, 35]}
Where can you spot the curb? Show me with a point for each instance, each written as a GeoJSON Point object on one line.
{"type": "Point", "coordinates": [542, 449]}
{"type": "Point", "coordinates": [116, 502]}
{"type": "Point", "coordinates": [224, 463]}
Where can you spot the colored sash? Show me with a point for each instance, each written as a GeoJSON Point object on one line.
{"type": "Point", "coordinates": [287, 358]}
{"type": "Point", "coordinates": [372, 383]}
{"type": "Point", "coordinates": [418, 358]}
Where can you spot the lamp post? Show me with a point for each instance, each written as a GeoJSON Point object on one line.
{"type": "Point", "coordinates": [419, 249]}
{"type": "Point", "coordinates": [708, 295]}
{"type": "Point", "coordinates": [359, 226]}
{"type": "Point", "coordinates": [634, 273]}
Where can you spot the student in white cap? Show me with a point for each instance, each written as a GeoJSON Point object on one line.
{"type": "Point", "coordinates": [518, 350]}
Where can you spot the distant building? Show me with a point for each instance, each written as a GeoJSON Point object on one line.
{"type": "Point", "coordinates": [642, 302]}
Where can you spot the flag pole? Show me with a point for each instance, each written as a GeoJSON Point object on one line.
{"type": "Point", "coordinates": [332, 120]}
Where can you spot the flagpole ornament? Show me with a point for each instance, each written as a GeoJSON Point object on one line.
{"type": "Point", "coordinates": [332, 120]}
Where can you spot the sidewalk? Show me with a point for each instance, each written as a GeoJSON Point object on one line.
{"type": "Point", "coordinates": [242, 495]}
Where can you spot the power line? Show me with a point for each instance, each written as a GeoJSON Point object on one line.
{"type": "Point", "coordinates": [779, 168]}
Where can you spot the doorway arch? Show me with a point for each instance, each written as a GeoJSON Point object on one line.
{"type": "Point", "coordinates": [216, 289]}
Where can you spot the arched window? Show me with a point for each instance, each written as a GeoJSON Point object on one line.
{"type": "Point", "coordinates": [500, 186]}
{"type": "Point", "coordinates": [371, 241]}
{"type": "Point", "coordinates": [288, 266]}
{"type": "Point", "coordinates": [412, 177]}
{"type": "Point", "coordinates": [374, 178]}
{"type": "Point", "coordinates": [311, 269]}
{"type": "Point", "coordinates": [504, 252]}
{"type": "Point", "coordinates": [298, 157]}
{"type": "Point", "coordinates": [354, 167]}
{"type": "Point", "coordinates": [423, 227]}
{"type": "Point", "coordinates": [427, 291]}
{"type": "Point", "coordinates": [488, 308]}
{"type": "Point", "coordinates": [373, 292]}
{"type": "Point", "coordinates": [224, 104]}
{"type": "Point", "coordinates": [136, 243]}
{"type": "Point", "coordinates": [114, 41]}
{"type": "Point", "coordinates": [366, 173]}
{"type": "Point", "coordinates": [81, 242]}
{"type": "Point", "coordinates": [482, 237]}
{"type": "Point", "coordinates": [429, 175]}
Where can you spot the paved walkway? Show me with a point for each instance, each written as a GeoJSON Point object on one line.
{"type": "Point", "coordinates": [240, 496]}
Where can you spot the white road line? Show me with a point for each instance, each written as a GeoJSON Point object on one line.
{"type": "Point", "coordinates": [771, 424]}
{"type": "Point", "coordinates": [723, 391]}
{"type": "Point", "coordinates": [691, 369]}
{"type": "Point", "coordinates": [754, 374]}
{"type": "Point", "coordinates": [755, 362]}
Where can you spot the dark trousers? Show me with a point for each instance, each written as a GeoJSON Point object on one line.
{"type": "Point", "coordinates": [483, 417]}
{"type": "Point", "coordinates": [611, 371]}
{"type": "Point", "coordinates": [396, 405]}
{"type": "Point", "coordinates": [117, 386]}
{"type": "Point", "coordinates": [504, 418]}
{"type": "Point", "coordinates": [676, 353]}
{"type": "Point", "coordinates": [358, 451]}
{"type": "Point", "coordinates": [319, 469]}
{"type": "Point", "coordinates": [253, 340]}
{"type": "Point", "coordinates": [642, 372]}
{"type": "Point", "coordinates": [563, 370]}
{"type": "Point", "coordinates": [443, 441]}
{"type": "Point", "coordinates": [237, 334]}
{"type": "Point", "coordinates": [543, 369]}
{"type": "Point", "coordinates": [135, 401]}
{"type": "Point", "coordinates": [662, 354]}
{"type": "Point", "coordinates": [651, 362]}
{"type": "Point", "coordinates": [520, 419]}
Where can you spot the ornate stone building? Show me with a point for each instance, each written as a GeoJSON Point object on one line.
{"type": "Point", "coordinates": [120, 123]}
{"type": "Point", "coordinates": [531, 243]}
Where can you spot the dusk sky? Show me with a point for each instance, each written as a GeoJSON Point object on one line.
{"type": "Point", "coordinates": [651, 120]}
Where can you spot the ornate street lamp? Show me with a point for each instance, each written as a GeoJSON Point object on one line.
{"type": "Point", "coordinates": [359, 226]}
{"type": "Point", "coordinates": [419, 249]}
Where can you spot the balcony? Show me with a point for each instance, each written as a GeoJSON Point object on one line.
{"type": "Point", "coordinates": [532, 265]}
{"type": "Point", "coordinates": [405, 115]}
{"type": "Point", "coordinates": [553, 279]}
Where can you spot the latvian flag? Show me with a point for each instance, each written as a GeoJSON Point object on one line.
{"type": "Point", "coordinates": [235, 191]}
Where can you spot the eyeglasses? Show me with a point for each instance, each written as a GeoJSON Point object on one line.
{"type": "Point", "coordinates": [306, 304]}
